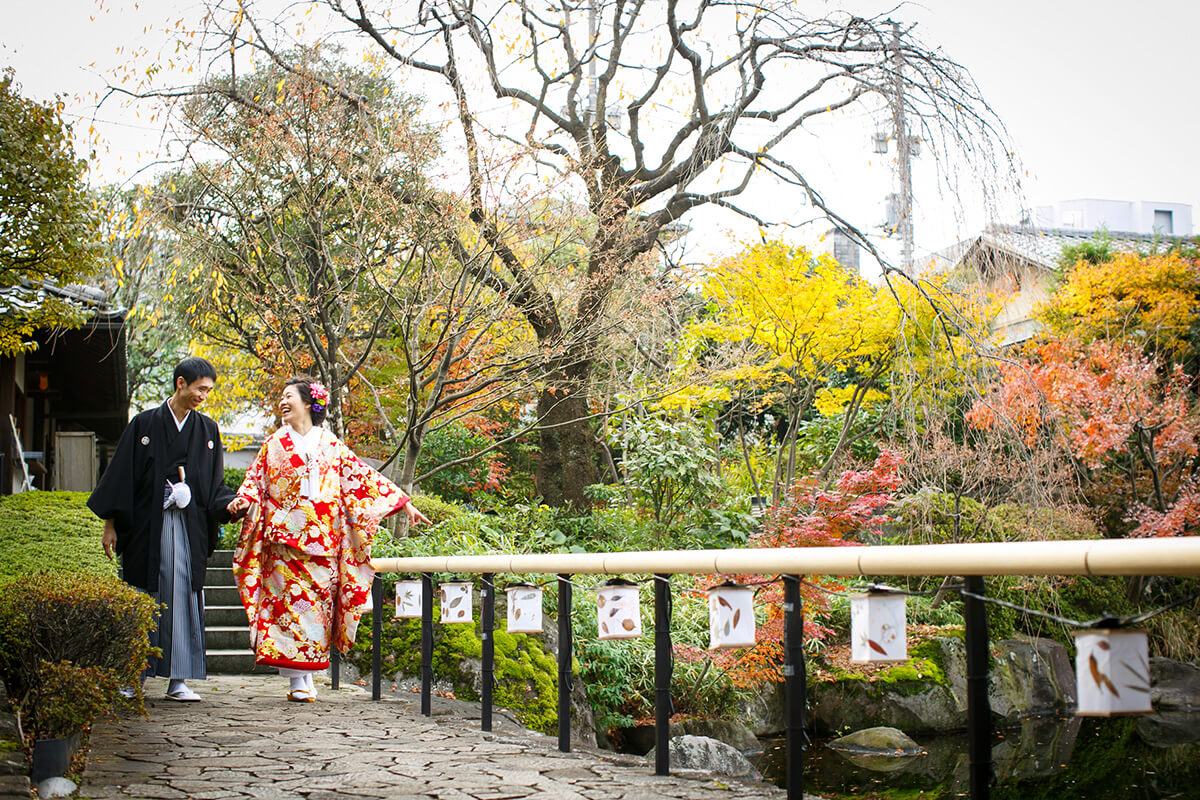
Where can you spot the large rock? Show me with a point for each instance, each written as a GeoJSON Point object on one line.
{"type": "Point", "coordinates": [762, 713]}
{"type": "Point", "coordinates": [1029, 677]}
{"type": "Point", "coordinates": [708, 755]}
{"type": "Point", "coordinates": [1168, 729]}
{"type": "Point", "coordinates": [731, 732]}
{"type": "Point", "coordinates": [910, 706]}
{"type": "Point", "coordinates": [1032, 676]}
{"type": "Point", "coordinates": [1174, 684]}
{"type": "Point", "coordinates": [880, 741]}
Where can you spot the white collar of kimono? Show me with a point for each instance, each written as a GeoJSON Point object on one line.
{"type": "Point", "coordinates": [305, 444]}
{"type": "Point", "coordinates": [179, 423]}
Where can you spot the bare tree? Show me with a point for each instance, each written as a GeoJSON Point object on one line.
{"type": "Point", "coordinates": [645, 112]}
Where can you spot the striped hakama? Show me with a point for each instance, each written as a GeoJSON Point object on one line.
{"type": "Point", "coordinates": [180, 630]}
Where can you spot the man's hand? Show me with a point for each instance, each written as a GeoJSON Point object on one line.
{"type": "Point", "coordinates": [109, 539]}
{"type": "Point", "coordinates": [414, 516]}
{"type": "Point", "coordinates": [237, 507]}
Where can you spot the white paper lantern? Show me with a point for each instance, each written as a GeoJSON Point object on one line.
{"type": "Point", "coordinates": [408, 599]}
{"type": "Point", "coordinates": [1112, 672]}
{"type": "Point", "coordinates": [524, 608]}
{"type": "Point", "coordinates": [456, 601]}
{"type": "Point", "coordinates": [730, 616]}
{"type": "Point", "coordinates": [618, 610]}
{"type": "Point", "coordinates": [877, 628]}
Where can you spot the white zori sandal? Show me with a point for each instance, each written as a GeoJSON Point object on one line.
{"type": "Point", "coordinates": [302, 690]}
{"type": "Point", "coordinates": [182, 694]}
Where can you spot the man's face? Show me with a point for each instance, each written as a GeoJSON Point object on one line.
{"type": "Point", "coordinates": [192, 395]}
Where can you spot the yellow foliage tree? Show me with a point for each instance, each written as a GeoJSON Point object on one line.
{"type": "Point", "coordinates": [1147, 300]}
{"type": "Point", "coordinates": [798, 330]}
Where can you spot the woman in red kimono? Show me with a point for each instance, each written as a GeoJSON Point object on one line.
{"type": "Point", "coordinates": [302, 564]}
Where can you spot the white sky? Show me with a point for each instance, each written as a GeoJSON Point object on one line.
{"type": "Point", "coordinates": [1099, 96]}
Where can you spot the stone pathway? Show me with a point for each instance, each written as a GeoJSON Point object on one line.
{"type": "Point", "coordinates": [245, 740]}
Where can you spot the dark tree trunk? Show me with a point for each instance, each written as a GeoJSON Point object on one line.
{"type": "Point", "coordinates": [567, 463]}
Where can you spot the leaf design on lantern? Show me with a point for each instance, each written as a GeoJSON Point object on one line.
{"type": "Point", "coordinates": [600, 601]}
{"type": "Point", "coordinates": [627, 624]}
{"type": "Point", "coordinates": [723, 601]}
{"type": "Point", "coordinates": [1140, 675]}
{"type": "Point", "coordinates": [1103, 645]}
{"type": "Point", "coordinates": [737, 615]}
{"type": "Point", "coordinates": [874, 645]}
{"type": "Point", "coordinates": [727, 627]}
{"type": "Point", "coordinates": [530, 596]}
{"type": "Point", "coordinates": [604, 627]}
{"type": "Point", "coordinates": [1099, 677]}
{"type": "Point", "coordinates": [456, 601]}
{"type": "Point", "coordinates": [517, 612]}
{"type": "Point", "coordinates": [462, 613]}
{"type": "Point", "coordinates": [614, 611]}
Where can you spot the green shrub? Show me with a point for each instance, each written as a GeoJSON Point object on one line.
{"type": "Point", "coordinates": [95, 623]}
{"type": "Point", "coordinates": [448, 444]}
{"type": "Point", "coordinates": [234, 477]}
{"type": "Point", "coordinates": [67, 698]}
{"type": "Point", "coordinates": [437, 509]}
{"type": "Point", "coordinates": [50, 530]}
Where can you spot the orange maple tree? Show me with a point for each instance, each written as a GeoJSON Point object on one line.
{"type": "Point", "coordinates": [1127, 418]}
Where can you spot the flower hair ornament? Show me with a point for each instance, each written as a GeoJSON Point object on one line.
{"type": "Point", "coordinates": [320, 396]}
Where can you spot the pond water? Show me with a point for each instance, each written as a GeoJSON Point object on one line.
{"type": "Point", "coordinates": [1154, 757]}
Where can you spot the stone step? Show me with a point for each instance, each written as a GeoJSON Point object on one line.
{"type": "Point", "coordinates": [221, 558]}
{"type": "Point", "coordinates": [234, 662]}
{"type": "Point", "coordinates": [225, 637]}
{"type": "Point", "coordinates": [225, 616]}
{"type": "Point", "coordinates": [218, 576]}
{"type": "Point", "coordinates": [221, 596]}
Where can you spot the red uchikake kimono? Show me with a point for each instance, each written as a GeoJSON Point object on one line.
{"type": "Point", "coordinates": [302, 564]}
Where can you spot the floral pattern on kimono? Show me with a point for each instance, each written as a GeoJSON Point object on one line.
{"type": "Point", "coordinates": [302, 564]}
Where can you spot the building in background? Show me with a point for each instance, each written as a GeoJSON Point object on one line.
{"type": "Point", "coordinates": [1151, 218]}
{"type": "Point", "coordinates": [1017, 264]}
{"type": "Point", "coordinates": [63, 402]}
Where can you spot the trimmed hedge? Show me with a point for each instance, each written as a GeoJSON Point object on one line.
{"type": "Point", "coordinates": [71, 633]}
{"type": "Point", "coordinates": [67, 642]}
{"type": "Point", "coordinates": [50, 531]}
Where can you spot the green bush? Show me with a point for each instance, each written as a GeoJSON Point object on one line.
{"type": "Point", "coordinates": [437, 509]}
{"type": "Point", "coordinates": [97, 624]}
{"type": "Point", "coordinates": [67, 698]}
{"type": "Point", "coordinates": [50, 530]}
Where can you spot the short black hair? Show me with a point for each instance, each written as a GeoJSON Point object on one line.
{"type": "Point", "coordinates": [192, 369]}
{"type": "Point", "coordinates": [303, 384]}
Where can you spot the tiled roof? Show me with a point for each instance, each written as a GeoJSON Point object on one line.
{"type": "Point", "coordinates": [1043, 246]}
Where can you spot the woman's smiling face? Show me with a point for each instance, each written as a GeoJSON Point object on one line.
{"type": "Point", "coordinates": [292, 408]}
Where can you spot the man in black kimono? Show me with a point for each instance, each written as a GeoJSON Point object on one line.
{"type": "Point", "coordinates": [163, 499]}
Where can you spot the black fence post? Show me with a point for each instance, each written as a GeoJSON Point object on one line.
{"type": "Point", "coordinates": [795, 688]}
{"type": "Point", "coordinates": [979, 710]}
{"type": "Point", "coordinates": [376, 638]}
{"type": "Point", "coordinates": [662, 674]}
{"type": "Point", "coordinates": [335, 669]}
{"type": "Point", "coordinates": [426, 644]}
{"type": "Point", "coordinates": [565, 649]}
{"type": "Point", "coordinates": [488, 612]}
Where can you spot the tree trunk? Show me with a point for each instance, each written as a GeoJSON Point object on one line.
{"type": "Point", "coordinates": [567, 463]}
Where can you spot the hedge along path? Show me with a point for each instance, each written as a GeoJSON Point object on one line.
{"type": "Point", "coordinates": [245, 740]}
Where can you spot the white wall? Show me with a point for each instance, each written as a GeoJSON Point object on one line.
{"type": "Point", "coordinates": [1118, 216]}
